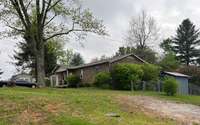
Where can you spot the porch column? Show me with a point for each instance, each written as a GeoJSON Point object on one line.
{"type": "Point", "coordinates": [57, 80]}
{"type": "Point", "coordinates": [67, 73]}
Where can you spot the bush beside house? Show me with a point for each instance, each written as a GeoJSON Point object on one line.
{"type": "Point", "coordinates": [170, 86]}
{"type": "Point", "coordinates": [123, 74]}
{"type": "Point", "coordinates": [73, 81]}
{"type": "Point", "coordinates": [150, 76]}
{"type": "Point", "coordinates": [151, 72]}
{"type": "Point", "coordinates": [103, 80]}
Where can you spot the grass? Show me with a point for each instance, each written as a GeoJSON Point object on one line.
{"type": "Point", "coordinates": [188, 99]}
{"type": "Point", "coordinates": [89, 106]}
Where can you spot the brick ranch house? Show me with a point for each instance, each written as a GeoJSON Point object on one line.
{"type": "Point", "coordinates": [88, 71]}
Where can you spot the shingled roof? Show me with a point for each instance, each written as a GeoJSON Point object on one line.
{"type": "Point", "coordinates": [111, 60]}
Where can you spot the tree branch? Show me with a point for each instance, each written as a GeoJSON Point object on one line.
{"type": "Point", "coordinates": [66, 33]}
{"type": "Point", "coordinates": [17, 8]}
{"type": "Point", "coordinates": [25, 12]}
{"type": "Point", "coordinates": [50, 20]}
{"type": "Point", "coordinates": [44, 16]}
{"type": "Point", "coordinates": [27, 6]}
{"type": "Point", "coordinates": [43, 8]}
{"type": "Point", "coordinates": [54, 5]}
{"type": "Point", "coordinates": [12, 27]}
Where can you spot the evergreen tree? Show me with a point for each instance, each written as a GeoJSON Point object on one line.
{"type": "Point", "coordinates": [77, 60]}
{"type": "Point", "coordinates": [185, 42]}
{"type": "Point", "coordinates": [54, 53]}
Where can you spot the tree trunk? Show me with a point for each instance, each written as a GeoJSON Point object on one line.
{"type": "Point", "coordinates": [40, 66]}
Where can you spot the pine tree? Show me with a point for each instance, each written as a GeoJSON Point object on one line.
{"type": "Point", "coordinates": [185, 42]}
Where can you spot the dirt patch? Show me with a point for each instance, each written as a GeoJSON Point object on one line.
{"type": "Point", "coordinates": [185, 114]}
{"type": "Point", "coordinates": [54, 108]}
{"type": "Point", "coordinates": [29, 117]}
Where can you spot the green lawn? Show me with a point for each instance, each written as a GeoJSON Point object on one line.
{"type": "Point", "coordinates": [89, 106]}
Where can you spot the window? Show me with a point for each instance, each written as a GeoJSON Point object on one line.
{"type": "Point", "coordinates": [97, 68]}
{"type": "Point", "coordinates": [81, 75]}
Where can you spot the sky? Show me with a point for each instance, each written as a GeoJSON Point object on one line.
{"type": "Point", "coordinates": [116, 15]}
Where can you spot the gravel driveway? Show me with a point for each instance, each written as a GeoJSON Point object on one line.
{"type": "Point", "coordinates": [186, 114]}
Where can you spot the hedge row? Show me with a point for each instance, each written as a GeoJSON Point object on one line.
{"type": "Point", "coordinates": [123, 74]}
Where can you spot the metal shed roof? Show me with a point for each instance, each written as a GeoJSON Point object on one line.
{"type": "Point", "coordinates": [176, 74]}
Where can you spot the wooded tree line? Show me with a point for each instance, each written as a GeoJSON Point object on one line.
{"type": "Point", "coordinates": [182, 48]}
{"type": "Point", "coordinates": [181, 51]}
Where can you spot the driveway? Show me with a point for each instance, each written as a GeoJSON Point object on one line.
{"type": "Point", "coordinates": [185, 114]}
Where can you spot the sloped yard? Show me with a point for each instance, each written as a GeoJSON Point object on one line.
{"type": "Point", "coordinates": [23, 106]}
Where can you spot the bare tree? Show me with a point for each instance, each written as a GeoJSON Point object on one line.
{"type": "Point", "coordinates": [142, 29]}
{"type": "Point", "coordinates": [38, 21]}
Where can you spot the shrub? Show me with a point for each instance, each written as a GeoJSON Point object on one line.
{"type": "Point", "coordinates": [123, 74]}
{"type": "Point", "coordinates": [170, 86]}
{"type": "Point", "coordinates": [73, 81]}
{"type": "Point", "coordinates": [151, 72]}
{"type": "Point", "coordinates": [103, 80]}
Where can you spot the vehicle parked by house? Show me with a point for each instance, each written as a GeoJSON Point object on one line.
{"type": "Point", "coordinates": [23, 76]}
{"type": "Point", "coordinates": [18, 83]}
{"type": "Point", "coordinates": [25, 83]}
{"type": "Point", "coordinates": [3, 83]}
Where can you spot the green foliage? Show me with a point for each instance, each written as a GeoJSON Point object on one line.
{"type": "Point", "coordinates": [65, 57]}
{"type": "Point", "coordinates": [151, 72]}
{"type": "Point", "coordinates": [166, 45]}
{"type": "Point", "coordinates": [77, 60]}
{"type": "Point", "coordinates": [123, 74]}
{"type": "Point", "coordinates": [146, 54]}
{"type": "Point", "coordinates": [124, 50]}
{"type": "Point", "coordinates": [170, 86]}
{"type": "Point", "coordinates": [169, 62]}
{"type": "Point", "coordinates": [187, 37]}
{"type": "Point", "coordinates": [73, 81]}
{"type": "Point", "coordinates": [103, 80]}
{"type": "Point", "coordinates": [50, 56]}
{"type": "Point", "coordinates": [193, 71]}
{"type": "Point", "coordinates": [54, 52]}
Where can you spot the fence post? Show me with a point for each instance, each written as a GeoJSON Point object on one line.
{"type": "Point", "coordinates": [131, 85]}
{"type": "Point", "coordinates": [143, 85]}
